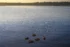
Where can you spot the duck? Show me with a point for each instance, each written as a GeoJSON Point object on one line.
{"type": "Point", "coordinates": [44, 38]}
{"type": "Point", "coordinates": [33, 35]}
{"type": "Point", "coordinates": [37, 39]}
{"type": "Point", "coordinates": [26, 38]}
{"type": "Point", "coordinates": [30, 41]}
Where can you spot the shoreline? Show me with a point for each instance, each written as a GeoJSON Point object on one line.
{"type": "Point", "coordinates": [36, 4]}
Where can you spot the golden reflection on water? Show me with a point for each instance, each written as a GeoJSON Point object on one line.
{"type": "Point", "coordinates": [20, 6]}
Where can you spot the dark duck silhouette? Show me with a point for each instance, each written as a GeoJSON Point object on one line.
{"type": "Point", "coordinates": [26, 38]}
{"type": "Point", "coordinates": [44, 38]}
{"type": "Point", "coordinates": [30, 41]}
{"type": "Point", "coordinates": [33, 35]}
{"type": "Point", "coordinates": [37, 39]}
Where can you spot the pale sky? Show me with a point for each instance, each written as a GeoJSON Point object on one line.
{"type": "Point", "coordinates": [30, 0]}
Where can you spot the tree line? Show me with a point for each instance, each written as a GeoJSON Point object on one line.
{"type": "Point", "coordinates": [39, 3]}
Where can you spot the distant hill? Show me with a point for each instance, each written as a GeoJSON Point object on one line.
{"type": "Point", "coordinates": [39, 3]}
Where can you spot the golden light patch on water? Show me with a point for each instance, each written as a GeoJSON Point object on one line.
{"type": "Point", "coordinates": [21, 6]}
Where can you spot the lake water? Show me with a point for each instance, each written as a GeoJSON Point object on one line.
{"type": "Point", "coordinates": [18, 22]}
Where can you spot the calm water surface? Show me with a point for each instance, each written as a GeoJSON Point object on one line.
{"type": "Point", "coordinates": [18, 22]}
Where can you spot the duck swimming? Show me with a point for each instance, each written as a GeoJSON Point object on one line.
{"type": "Point", "coordinates": [44, 38]}
{"type": "Point", "coordinates": [33, 35]}
{"type": "Point", "coordinates": [30, 41]}
{"type": "Point", "coordinates": [26, 38]}
{"type": "Point", "coordinates": [37, 39]}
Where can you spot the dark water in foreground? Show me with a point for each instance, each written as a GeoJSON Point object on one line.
{"type": "Point", "coordinates": [18, 22]}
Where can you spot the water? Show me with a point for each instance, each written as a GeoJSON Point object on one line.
{"type": "Point", "coordinates": [18, 22]}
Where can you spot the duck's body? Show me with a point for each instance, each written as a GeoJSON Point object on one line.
{"type": "Point", "coordinates": [30, 41]}
{"type": "Point", "coordinates": [44, 38]}
{"type": "Point", "coordinates": [37, 39]}
{"type": "Point", "coordinates": [33, 35]}
{"type": "Point", "coordinates": [26, 38]}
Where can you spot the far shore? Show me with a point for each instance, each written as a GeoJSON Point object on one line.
{"type": "Point", "coordinates": [38, 4]}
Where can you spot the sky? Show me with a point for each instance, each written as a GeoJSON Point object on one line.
{"type": "Point", "coordinates": [25, 1]}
